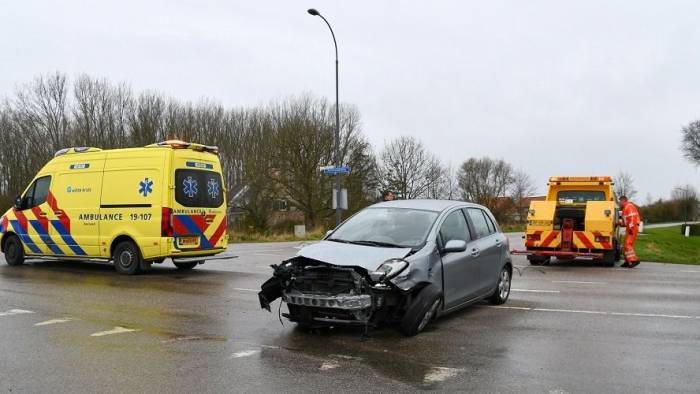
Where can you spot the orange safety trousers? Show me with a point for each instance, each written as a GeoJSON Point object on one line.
{"type": "Point", "coordinates": [630, 214]}
{"type": "Point", "coordinates": [630, 238]}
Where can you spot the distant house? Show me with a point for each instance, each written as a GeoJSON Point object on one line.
{"type": "Point", "coordinates": [515, 211]}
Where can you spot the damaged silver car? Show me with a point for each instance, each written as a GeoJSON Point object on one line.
{"type": "Point", "coordinates": [404, 262]}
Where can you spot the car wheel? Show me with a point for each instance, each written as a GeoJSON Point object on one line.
{"type": "Point", "coordinates": [14, 252]}
{"type": "Point", "coordinates": [127, 259]}
{"type": "Point", "coordinates": [424, 308]}
{"type": "Point", "coordinates": [186, 266]}
{"type": "Point", "coordinates": [502, 290]}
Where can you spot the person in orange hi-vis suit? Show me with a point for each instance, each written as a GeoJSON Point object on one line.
{"type": "Point", "coordinates": [630, 219]}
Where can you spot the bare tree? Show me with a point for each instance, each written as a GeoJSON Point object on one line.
{"type": "Point", "coordinates": [521, 187]}
{"type": "Point", "coordinates": [691, 141]}
{"type": "Point", "coordinates": [409, 170]}
{"type": "Point", "coordinates": [686, 198]}
{"type": "Point", "coordinates": [624, 185]}
{"type": "Point", "coordinates": [487, 181]}
{"type": "Point", "coordinates": [267, 152]}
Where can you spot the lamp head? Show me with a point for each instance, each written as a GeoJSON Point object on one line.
{"type": "Point", "coordinates": [313, 12]}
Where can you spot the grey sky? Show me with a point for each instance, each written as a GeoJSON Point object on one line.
{"type": "Point", "coordinates": [555, 88]}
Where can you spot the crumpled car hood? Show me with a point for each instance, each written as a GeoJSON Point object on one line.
{"type": "Point", "coordinates": [367, 257]}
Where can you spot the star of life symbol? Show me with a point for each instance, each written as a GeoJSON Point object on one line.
{"type": "Point", "coordinates": [145, 187]}
{"type": "Point", "coordinates": [190, 187]}
{"type": "Point", "coordinates": [213, 188]}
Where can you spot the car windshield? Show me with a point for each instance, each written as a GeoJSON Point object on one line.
{"type": "Point", "coordinates": [580, 196]}
{"type": "Point", "coordinates": [387, 227]}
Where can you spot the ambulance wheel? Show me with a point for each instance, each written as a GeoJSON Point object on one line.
{"type": "Point", "coordinates": [186, 266]}
{"type": "Point", "coordinates": [14, 252]}
{"type": "Point", "coordinates": [127, 259]}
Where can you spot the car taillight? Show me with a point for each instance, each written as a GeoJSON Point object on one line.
{"type": "Point", "coordinates": [533, 237]}
{"type": "Point", "coordinates": [166, 222]}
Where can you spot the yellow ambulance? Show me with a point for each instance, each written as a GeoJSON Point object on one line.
{"type": "Point", "coordinates": [134, 206]}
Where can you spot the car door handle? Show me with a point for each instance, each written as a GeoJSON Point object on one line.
{"type": "Point", "coordinates": [475, 252]}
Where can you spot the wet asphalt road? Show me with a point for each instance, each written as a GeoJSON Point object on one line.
{"type": "Point", "coordinates": [80, 327]}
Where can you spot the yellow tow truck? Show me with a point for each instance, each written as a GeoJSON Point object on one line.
{"type": "Point", "coordinates": [577, 219]}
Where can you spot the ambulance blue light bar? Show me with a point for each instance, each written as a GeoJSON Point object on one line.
{"type": "Point", "coordinates": [178, 144]}
{"type": "Point", "coordinates": [78, 149]}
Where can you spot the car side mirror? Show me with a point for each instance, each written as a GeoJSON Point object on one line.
{"type": "Point", "coordinates": [454, 246]}
{"type": "Point", "coordinates": [18, 202]}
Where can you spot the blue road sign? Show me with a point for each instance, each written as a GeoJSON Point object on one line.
{"type": "Point", "coordinates": [344, 170]}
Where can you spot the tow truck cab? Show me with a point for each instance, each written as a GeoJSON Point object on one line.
{"type": "Point", "coordinates": [577, 219]}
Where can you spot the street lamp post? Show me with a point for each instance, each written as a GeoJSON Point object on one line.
{"type": "Point", "coordinates": [314, 12]}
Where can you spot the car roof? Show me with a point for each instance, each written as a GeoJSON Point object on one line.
{"type": "Point", "coordinates": [429, 205]}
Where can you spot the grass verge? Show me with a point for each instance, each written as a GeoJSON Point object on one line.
{"type": "Point", "coordinates": [513, 228]}
{"type": "Point", "coordinates": [668, 245]}
{"type": "Point", "coordinates": [241, 237]}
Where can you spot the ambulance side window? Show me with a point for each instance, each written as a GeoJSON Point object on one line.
{"type": "Point", "coordinates": [41, 191]}
{"type": "Point", "coordinates": [37, 193]}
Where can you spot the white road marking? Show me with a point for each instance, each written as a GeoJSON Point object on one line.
{"type": "Point", "coordinates": [53, 321]}
{"type": "Point", "coordinates": [245, 353]}
{"type": "Point", "coordinates": [440, 374]}
{"type": "Point", "coordinates": [632, 314]}
{"type": "Point", "coordinates": [115, 330]}
{"type": "Point", "coordinates": [242, 289]}
{"type": "Point", "coordinates": [535, 291]}
{"type": "Point", "coordinates": [345, 357]}
{"type": "Point", "coordinates": [328, 365]}
{"type": "Point", "coordinates": [13, 312]}
{"type": "Point", "coordinates": [520, 308]}
{"type": "Point", "coordinates": [579, 282]}
{"type": "Point", "coordinates": [569, 311]}
{"type": "Point", "coordinates": [691, 271]}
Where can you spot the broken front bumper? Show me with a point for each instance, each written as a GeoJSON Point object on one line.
{"type": "Point", "coordinates": [344, 301]}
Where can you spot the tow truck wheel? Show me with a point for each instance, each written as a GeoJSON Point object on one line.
{"type": "Point", "coordinates": [538, 260]}
{"type": "Point", "coordinates": [127, 259]}
{"type": "Point", "coordinates": [186, 266]}
{"type": "Point", "coordinates": [14, 252]}
{"type": "Point", "coordinates": [610, 257]}
{"type": "Point", "coordinates": [424, 308]}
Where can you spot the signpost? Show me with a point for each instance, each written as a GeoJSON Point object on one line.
{"type": "Point", "coordinates": [331, 170]}
{"type": "Point", "coordinates": [338, 202]}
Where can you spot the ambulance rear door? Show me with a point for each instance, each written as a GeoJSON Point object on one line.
{"type": "Point", "coordinates": [199, 206]}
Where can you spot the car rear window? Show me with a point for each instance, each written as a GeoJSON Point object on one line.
{"type": "Point", "coordinates": [198, 188]}
{"type": "Point", "coordinates": [580, 196]}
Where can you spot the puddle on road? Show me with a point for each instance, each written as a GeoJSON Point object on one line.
{"type": "Point", "coordinates": [345, 348]}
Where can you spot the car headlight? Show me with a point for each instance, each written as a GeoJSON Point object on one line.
{"type": "Point", "coordinates": [388, 270]}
